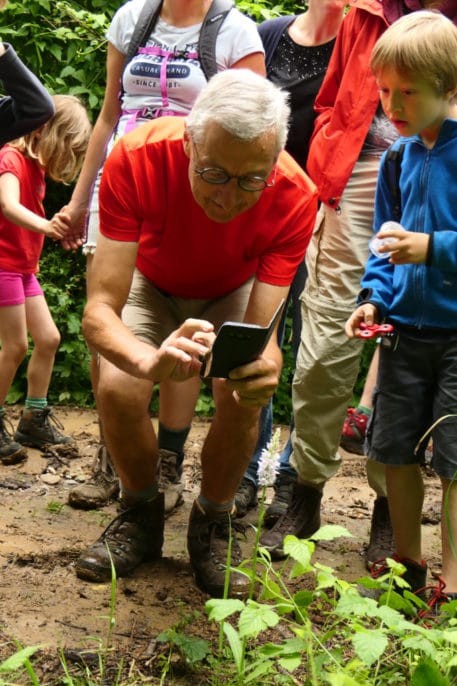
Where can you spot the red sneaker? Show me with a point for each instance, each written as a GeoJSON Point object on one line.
{"type": "Point", "coordinates": [354, 431]}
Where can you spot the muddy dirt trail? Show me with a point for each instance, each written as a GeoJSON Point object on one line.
{"type": "Point", "coordinates": [42, 600]}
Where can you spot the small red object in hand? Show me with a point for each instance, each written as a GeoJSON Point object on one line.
{"type": "Point", "coordinates": [370, 331]}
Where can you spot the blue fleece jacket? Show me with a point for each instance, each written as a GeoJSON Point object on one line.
{"type": "Point", "coordinates": [420, 295]}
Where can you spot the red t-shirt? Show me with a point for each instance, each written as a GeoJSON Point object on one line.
{"type": "Point", "coordinates": [145, 196]}
{"type": "Point", "coordinates": [20, 249]}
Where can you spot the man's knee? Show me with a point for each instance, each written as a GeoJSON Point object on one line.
{"type": "Point", "coordinates": [229, 410]}
{"type": "Point", "coordinates": [118, 391]}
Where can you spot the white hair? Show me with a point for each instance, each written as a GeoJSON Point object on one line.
{"type": "Point", "coordinates": [244, 104]}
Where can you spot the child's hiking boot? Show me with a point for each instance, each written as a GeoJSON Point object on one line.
{"type": "Point", "coordinates": [133, 537]}
{"type": "Point", "coordinates": [102, 487]}
{"type": "Point", "coordinates": [354, 430]}
{"type": "Point", "coordinates": [381, 543]}
{"type": "Point", "coordinates": [283, 489]}
{"type": "Point", "coordinates": [415, 575]}
{"type": "Point", "coordinates": [302, 519]}
{"type": "Point", "coordinates": [245, 497]}
{"type": "Point", "coordinates": [169, 478]}
{"type": "Point", "coordinates": [38, 428]}
{"type": "Point", "coordinates": [208, 540]}
{"type": "Point", "coordinates": [11, 452]}
{"type": "Point", "coordinates": [437, 603]}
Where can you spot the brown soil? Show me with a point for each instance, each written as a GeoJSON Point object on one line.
{"type": "Point", "coordinates": [43, 602]}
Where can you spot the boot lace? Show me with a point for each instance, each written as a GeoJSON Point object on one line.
{"type": "Point", "coordinates": [6, 434]}
{"type": "Point", "coordinates": [220, 531]}
{"type": "Point", "coordinates": [284, 489]}
{"type": "Point", "coordinates": [168, 468]}
{"type": "Point", "coordinates": [438, 597]}
{"type": "Point", "coordinates": [52, 424]}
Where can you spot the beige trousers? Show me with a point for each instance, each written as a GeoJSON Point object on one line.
{"type": "Point", "coordinates": [328, 362]}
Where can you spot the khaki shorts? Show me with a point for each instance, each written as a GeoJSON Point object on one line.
{"type": "Point", "coordinates": [153, 315]}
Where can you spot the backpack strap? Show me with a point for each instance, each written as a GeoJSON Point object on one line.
{"type": "Point", "coordinates": [208, 35]}
{"type": "Point", "coordinates": [143, 28]}
{"type": "Point", "coordinates": [393, 171]}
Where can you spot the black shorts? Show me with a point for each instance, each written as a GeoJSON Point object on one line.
{"type": "Point", "coordinates": [416, 386]}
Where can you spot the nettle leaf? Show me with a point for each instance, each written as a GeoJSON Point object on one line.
{"type": "Point", "coordinates": [427, 673]}
{"type": "Point", "coordinates": [193, 648]}
{"type": "Point", "coordinates": [330, 532]}
{"type": "Point", "coordinates": [341, 679]}
{"type": "Point", "coordinates": [290, 663]}
{"type": "Point", "coordinates": [369, 645]}
{"type": "Point", "coordinates": [299, 550]}
{"type": "Point", "coordinates": [256, 618]}
{"type": "Point", "coordinates": [395, 620]}
{"type": "Point", "coordinates": [419, 644]}
{"type": "Point", "coordinates": [288, 647]}
{"type": "Point", "coordinates": [326, 579]}
{"type": "Point", "coordinates": [351, 603]}
{"type": "Point", "coordinates": [219, 609]}
{"type": "Point", "coordinates": [450, 636]}
{"type": "Point", "coordinates": [303, 598]}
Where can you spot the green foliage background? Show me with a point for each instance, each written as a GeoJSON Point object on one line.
{"type": "Point", "coordinates": [64, 43]}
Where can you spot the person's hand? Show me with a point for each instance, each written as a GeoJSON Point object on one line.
{"type": "Point", "coordinates": [253, 384]}
{"type": "Point", "coordinates": [57, 227]}
{"type": "Point", "coordinates": [179, 357]}
{"type": "Point", "coordinates": [364, 313]}
{"type": "Point", "coordinates": [408, 248]}
{"type": "Point", "coordinates": [76, 233]}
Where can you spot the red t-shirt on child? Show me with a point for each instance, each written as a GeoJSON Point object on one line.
{"type": "Point", "coordinates": [20, 249]}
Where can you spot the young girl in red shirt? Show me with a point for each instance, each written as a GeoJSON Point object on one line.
{"type": "Point", "coordinates": [55, 150]}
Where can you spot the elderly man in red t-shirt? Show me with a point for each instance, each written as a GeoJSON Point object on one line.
{"type": "Point", "coordinates": [203, 220]}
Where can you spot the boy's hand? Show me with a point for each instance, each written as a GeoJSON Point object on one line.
{"type": "Point", "coordinates": [409, 247]}
{"type": "Point", "coordinates": [366, 313]}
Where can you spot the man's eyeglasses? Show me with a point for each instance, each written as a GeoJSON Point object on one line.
{"type": "Point", "coordinates": [216, 176]}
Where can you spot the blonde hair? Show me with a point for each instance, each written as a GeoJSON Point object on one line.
{"type": "Point", "coordinates": [60, 145]}
{"type": "Point", "coordinates": [421, 43]}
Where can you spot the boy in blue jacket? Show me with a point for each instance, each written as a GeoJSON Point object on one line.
{"type": "Point", "coordinates": [413, 285]}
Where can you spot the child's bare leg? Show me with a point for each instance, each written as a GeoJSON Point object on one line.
{"type": "Point", "coordinates": [449, 535]}
{"type": "Point", "coordinates": [13, 336]}
{"type": "Point", "coordinates": [46, 339]}
{"type": "Point", "coordinates": [405, 492]}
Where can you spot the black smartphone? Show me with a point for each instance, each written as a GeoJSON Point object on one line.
{"type": "Point", "coordinates": [238, 343]}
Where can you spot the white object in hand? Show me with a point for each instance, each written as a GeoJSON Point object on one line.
{"type": "Point", "coordinates": [376, 242]}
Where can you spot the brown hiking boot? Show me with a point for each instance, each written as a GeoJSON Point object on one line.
{"type": "Point", "coordinates": [381, 543]}
{"type": "Point", "coordinates": [11, 452]}
{"type": "Point", "coordinates": [302, 519]}
{"type": "Point", "coordinates": [245, 497]}
{"type": "Point", "coordinates": [38, 428]}
{"type": "Point", "coordinates": [102, 487]}
{"type": "Point", "coordinates": [169, 479]}
{"type": "Point", "coordinates": [133, 537]}
{"type": "Point", "coordinates": [207, 542]}
{"type": "Point", "coordinates": [283, 490]}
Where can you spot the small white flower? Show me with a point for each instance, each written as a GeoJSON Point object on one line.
{"type": "Point", "coordinates": [269, 461]}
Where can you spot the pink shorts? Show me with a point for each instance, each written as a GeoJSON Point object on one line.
{"type": "Point", "coordinates": [15, 288]}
